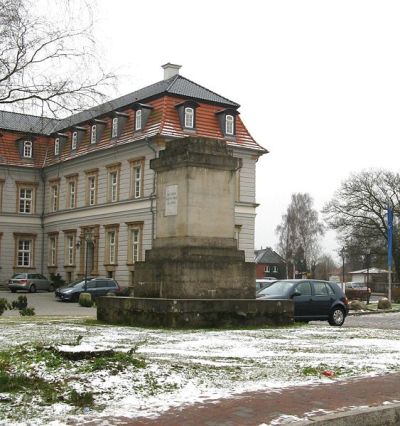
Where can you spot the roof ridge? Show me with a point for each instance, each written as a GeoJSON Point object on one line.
{"type": "Point", "coordinates": [205, 88]}
{"type": "Point", "coordinates": [174, 78]}
{"type": "Point", "coordinates": [30, 115]}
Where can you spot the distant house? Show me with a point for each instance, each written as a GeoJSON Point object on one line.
{"type": "Point", "coordinates": [370, 275]}
{"type": "Point", "coordinates": [269, 264]}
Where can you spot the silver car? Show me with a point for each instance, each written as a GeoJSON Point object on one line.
{"type": "Point", "coordinates": [29, 282]}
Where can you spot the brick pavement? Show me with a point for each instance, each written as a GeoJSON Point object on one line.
{"type": "Point", "coordinates": [256, 408]}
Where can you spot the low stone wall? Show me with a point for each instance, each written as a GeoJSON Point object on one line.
{"type": "Point", "coordinates": [194, 313]}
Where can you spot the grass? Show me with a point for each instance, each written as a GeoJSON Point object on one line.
{"type": "Point", "coordinates": [115, 363]}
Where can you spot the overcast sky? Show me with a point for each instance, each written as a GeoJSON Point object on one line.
{"type": "Point", "coordinates": [318, 82]}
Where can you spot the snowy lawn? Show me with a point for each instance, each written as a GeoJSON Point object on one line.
{"type": "Point", "coordinates": [149, 371]}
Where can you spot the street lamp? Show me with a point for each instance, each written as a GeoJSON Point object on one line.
{"type": "Point", "coordinates": [88, 237]}
{"type": "Point", "coordinates": [342, 253]}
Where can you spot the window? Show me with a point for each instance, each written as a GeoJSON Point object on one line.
{"type": "Point", "coordinates": [26, 200]}
{"type": "Point", "coordinates": [24, 253]}
{"type": "Point", "coordinates": [53, 239]}
{"type": "Point", "coordinates": [92, 190]}
{"type": "Point", "coordinates": [138, 119]}
{"type": "Point", "coordinates": [114, 130]}
{"type": "Point", "coordinates": [27, 149]}
{"type": "Point", "coordinates": [236, 235]}
{"type": "Point", "coordinates": [189, 118]}
{"type": "Point", "coordinates": [1, 193]}
{"type": "Point", "coordinates": [70, 250]}
{"type": "Point", "coordinates": [320, 289]}
{"type": "Point", "coordinates": [304, 288]}
{"type": "Point", "coordinates": [91, 187]}
{"type": "Point", "coordinates": [74, 141]}
{"type": "Point", "coordinates": [229, 125]}
{"type": "Point", "coordinates": [72, 186]}
{"type": "Point", "coordinates": [24, 250]}
{"type": "Point", "coordinates": [113, 171]}
{"type": "Point", "coordinates": [57, 146]}
{"type": "Point", "coordinates": [93, 134]}
{"type": "Point", "coordinates": [55, 189]}
{"type": "Point", "coordinates": [111, 252]}
{"type": "Point", "coordinates": [134, 242]}
{"type": "Point", "coordinates": [137, 178]}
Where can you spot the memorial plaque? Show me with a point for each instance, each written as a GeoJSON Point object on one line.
{"type": "Point", "coordinates": [171, 200]}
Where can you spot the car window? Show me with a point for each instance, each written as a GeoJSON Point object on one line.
{"type": "Point", "coordinates": [90, 284]}
{"type": "Point", "coordinates": [320, 289]}
{"type": "Point", "coordinates": [304, 288]}
{"type": "Point", "coordinates": [19, 276]}
{"type": "Point", "coordinates": [31, 276]}
{"type": "Point", "coordinates": [110, 284]}
{"type": "Point", "coordinates": [278, 288]}
{"type": "Point", "coordinates": [330, 290]}
{"type": "Point", "coordinates": [101, 283]}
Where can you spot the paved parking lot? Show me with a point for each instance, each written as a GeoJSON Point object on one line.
{"type": "Point", "coordinates": [46, 304]}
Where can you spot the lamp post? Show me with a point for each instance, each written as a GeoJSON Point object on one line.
{"type": "Point", "coordinates": [342, 253]}
{"type": "Point", "coordinates": [88, 240]}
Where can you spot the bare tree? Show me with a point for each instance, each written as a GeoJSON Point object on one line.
{"type": "Point", "coordinates": [299, 232]}
{"type": "Point", "coordinates": [324, 267]}
{"type": "Point", "coordinates": [48, 61]}
{"type": "Point", "coordinates": [358, 211]}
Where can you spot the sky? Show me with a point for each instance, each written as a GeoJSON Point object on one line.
{"type": "Point", "coordinates": [318, 82]}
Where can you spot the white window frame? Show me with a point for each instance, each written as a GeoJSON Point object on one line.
{"type": "Point", "coordinates": [27, 149]}
{"type": "Point", "coordinates": [24, 252]}
{"type": "Point", "coordinates": [189, 118]}
{"type": "Point", "coordinates": [114, 129]}
{"type": "Point", "coordinates": [112, 246]}
{"type": "Point", "coordinates": [229, 125]}
{"type": "Point", "coordinates": [52, 250]}
{"type": "Point", "coordinates": [138, 119]}
{"type": "Point", "coordinates": [57, 146]}
{"type": "Point", "coordinates": [92, 190]}
{"type": "Point", "coordinates": [135, 241]}
{"type": "Point", "coordinates": [72, 193]}
{"type": "Point", "coordinates": [25, 201]}
{"type": "Point", "coordinates": [137, 180]}
{"type": "Point", "coordinates": [55, 192]}
{"type": "Point", "coordinates": [114, 186]}
{"type": "Point", "coordinates": [74, 141]}
{"type": "Point", "coordinates": [70, 250]}
{"type": "Point", "coordinates": [93, 134]}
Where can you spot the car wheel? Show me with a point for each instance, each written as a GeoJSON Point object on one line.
{"type": "Point", "coordinates": [32, 288]}
{"type": "Point", "coordinates": [51, 287]}
{"type": "Point", "coordinates": [336, 317]}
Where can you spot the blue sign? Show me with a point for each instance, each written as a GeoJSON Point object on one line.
{"type": "Point", "coordinates": [390, 236]}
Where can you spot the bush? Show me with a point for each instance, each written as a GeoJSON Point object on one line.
{"type": "Point", "coordinates": [4, 305]}
{"type": "Point", "coordinates": [85, 299]}
{"type": "Point", "coordinates": [357, 305]}
{"type": "Point", "coordinates": [20, 303]}
{"type": "Point", "coordinates": [57, 280]}
{"type": "Point", "coordinates": [27, 312]}
{"type": "Point", "coordinates": [384, 303]}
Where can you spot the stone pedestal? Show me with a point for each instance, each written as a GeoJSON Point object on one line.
{"type": "Point", "coordinates": [195, 255]}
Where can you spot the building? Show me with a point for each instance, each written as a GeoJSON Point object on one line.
{"type": "Point", "coordinates": [269, 264]}
{"type": "Point", "coordinates": [77, 194]}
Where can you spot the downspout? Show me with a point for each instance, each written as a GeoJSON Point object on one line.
{"type": "Point", "coordinates": [153, 192]}
{"type": "Point", "coordinates": [42, 175]}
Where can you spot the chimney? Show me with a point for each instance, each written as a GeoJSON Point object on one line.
{"type": "Point", "coordinates": [170, 70]}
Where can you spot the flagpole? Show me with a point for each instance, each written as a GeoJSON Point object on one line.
{"type": "Point", "coordinates": [390, 244]}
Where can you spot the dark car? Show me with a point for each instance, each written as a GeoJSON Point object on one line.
{"type": "Point", "coordinates": [313, 300]}
{"type": "Point", "coordinates": [95, 286]}
{"type": "Point", "coordinates": [29, 282]}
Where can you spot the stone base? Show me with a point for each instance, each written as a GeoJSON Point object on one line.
{"type": "Point", "coordinates": [195, 272]}
{"type": "Point", "coordinates": [194, 313]}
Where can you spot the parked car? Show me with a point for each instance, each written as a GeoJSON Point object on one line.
{"type": "Point", "coordinates": [357, 290]}
{"type": "Point", "coordinates": [29, 282]}
{"type": "Point", "coordinates": [95, 286]}
{"type": "Point", "coordinates": [263, 283]}
{"type": "Point", "coordinates": [313, 300]}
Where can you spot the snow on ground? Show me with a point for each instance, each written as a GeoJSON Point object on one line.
{"type": "Point", "coordinates": [175, 368]}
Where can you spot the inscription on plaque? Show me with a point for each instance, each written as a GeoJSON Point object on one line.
{"type": "Point", "coordinates": [171, 200]}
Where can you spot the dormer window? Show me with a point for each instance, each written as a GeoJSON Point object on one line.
{"type": "Point", "coordinates": [189, 118]}
{"type": "Point", "coordinates": [187, 112]}
{"type": "Point", "coordinates": [227, 121]}
{"type": "Point", "coordinates": [114, 130]}
{"type": "Point", "coordinates": [138, 120]}
{"type": "Point", "coordinates": [27, 149]}
{"type": "Point", "coordinates": [229, 125]}
{"type": "Point", "coordinates": [57, 146]}
{"type": "Point", "coordinates": [93, 134]}
{"type": "Point", "coordinates": [74, 141]}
